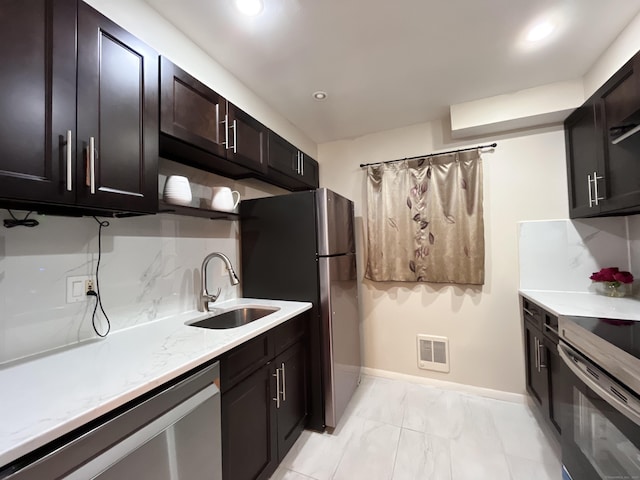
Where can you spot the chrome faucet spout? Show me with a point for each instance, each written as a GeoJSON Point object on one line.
{"type": "Point", "coordinates": [205, 296]}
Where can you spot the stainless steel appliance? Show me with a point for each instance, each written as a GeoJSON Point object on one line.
{"type": "Point", "coordinates": [169, 434]}
{"type": "Point", "coordinates": [301, 246]}
{"type": "Point", "coordinates": [601, 424]}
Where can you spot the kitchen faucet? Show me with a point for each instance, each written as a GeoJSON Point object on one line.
{"type": "Point", "coordinates": [205, 296]}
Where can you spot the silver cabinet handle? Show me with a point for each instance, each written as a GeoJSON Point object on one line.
{"type": "Point", "coordinates": [589, 187]}
{"type": "Point", "coordinates": [298, 162]}
{"type": "Point", "coordinates": [525, 310]}
{"type": "Point", "coordinates": [226, 132]}
{"type": "Point", "coordinates": [284, 384]}
{"type": "Point", "coordinates": [235, 136]}
{"type": "Point", "coordinates": [277, 398]}
{"type": "Point", "coordinates": [597, 198]}
{"type": "Point", "coordinates": [551, 329]}
{"type": "Point", "coordinates": [537, 357]}
{"type": "Point", "coordinates": [302, 164]}
{"type": "Point", "coordinates": [540, 355]}
{"type": "Point", "coordinates": [92, 165]}
{"type": "Point", "coordinates": [69, 160]}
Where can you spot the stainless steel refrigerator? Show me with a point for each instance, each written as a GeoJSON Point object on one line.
{"type": "Point", "coordinates": [301, 246]}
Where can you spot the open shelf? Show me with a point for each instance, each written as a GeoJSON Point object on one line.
{"type": "Point", "coordinates": [164, 207]}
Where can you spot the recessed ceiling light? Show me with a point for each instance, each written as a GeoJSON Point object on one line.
{"type": "Point", "coordinates": [540, 31]}
{"type": "Point", "coordinates": [320, 95]}
{"type": "Point", "coordinates": [249, 7]}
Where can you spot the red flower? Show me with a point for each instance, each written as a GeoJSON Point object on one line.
{"type": "Point", "coordinates": [623, 277]}
{"type": "Point", "coordinates": [605, 275]}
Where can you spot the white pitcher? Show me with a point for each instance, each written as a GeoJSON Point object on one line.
{"type": "Point", "coordinates": [222, 199]}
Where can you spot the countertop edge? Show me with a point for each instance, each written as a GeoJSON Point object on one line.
{"type": "Point", "coordinates": [584, 304]}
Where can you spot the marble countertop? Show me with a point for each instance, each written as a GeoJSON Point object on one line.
{"type": "Point", "coordinates": [50, 395]}
{"type": "Point", "coordinates": [585, 304]}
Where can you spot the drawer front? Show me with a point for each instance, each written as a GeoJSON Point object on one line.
{"type": "Point", "coordinates": [244, 360]}
{"type": "Point", "coordinates": [289, 333]}
{"type": "Point", "coordinates": [532, 313]}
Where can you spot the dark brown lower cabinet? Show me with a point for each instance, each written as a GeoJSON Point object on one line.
{"type": "Point", "coordinates": [264, 413]}
{"type": "Point", "coordinates": [249, 428]}
{"type": "Point", "coordinates": [542, 361]}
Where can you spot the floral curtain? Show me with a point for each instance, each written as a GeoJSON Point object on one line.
{"type": "Point", "coordinates": [425, 220]}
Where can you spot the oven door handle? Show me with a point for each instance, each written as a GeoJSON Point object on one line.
{"type": "Point", "coordinates": [608, 389]}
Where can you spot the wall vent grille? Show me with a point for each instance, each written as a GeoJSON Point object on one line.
{"type": "Point", "coordinates": [433, 353]}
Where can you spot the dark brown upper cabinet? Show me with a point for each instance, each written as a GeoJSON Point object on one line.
{"type": "Point", "coordinates": [603, 148]}
{"type": "Point", "coordinates": [117, 152]}
{"type": "Point", "coordinates": [246, 140]}
{"type": "Point", "coordinates": [54, 108]}
{"type": "Point", "coordinates": [289, 166]}
{"type": "Point", "coordinates": [584, 140]}
{"type": "Point", "coordinates": [192, 112]}
{"type": "Point", "coordinates": [195, 127]}
{"type": "Point", "coordinates": [38, 101]}
{"type": "Point", "coordinates": [200, 128]}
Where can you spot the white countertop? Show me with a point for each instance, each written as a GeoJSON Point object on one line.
{"type": "Point", "coordinates": [48, 396]}
{"type": "Point", "coordinates": [585, 304]}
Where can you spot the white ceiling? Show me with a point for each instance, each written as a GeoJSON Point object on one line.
{"type": "Point", "coordinates": [391, 63]}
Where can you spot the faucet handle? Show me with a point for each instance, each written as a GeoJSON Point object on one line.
{"type": "Point", "coordinates": [213, 297]}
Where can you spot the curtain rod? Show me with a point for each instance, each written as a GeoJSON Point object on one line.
{"type": "Point", "coordinates": [492, 145]}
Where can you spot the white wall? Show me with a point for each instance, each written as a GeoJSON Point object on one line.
{"type": "Point", "coordinates": [524, 179]}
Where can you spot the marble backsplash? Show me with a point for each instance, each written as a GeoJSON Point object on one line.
{"type": "Point", "coordinates": [562, 254]}
{"type": "Point", "coordinates": [150, 268]}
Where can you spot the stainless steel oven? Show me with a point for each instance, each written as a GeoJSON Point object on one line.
{"type": "Point", "coordinates": [173, 433]}
{"type": "Point", "coordinates": [601, 419]}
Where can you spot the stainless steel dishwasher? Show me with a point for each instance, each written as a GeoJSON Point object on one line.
{"type": "Point", "coordinates": [170, 434]}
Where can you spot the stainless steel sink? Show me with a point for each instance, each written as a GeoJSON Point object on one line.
{"type": "Point", "coordinates": [234, 318]}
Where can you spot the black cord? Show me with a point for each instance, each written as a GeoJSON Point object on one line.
{"type": "Point", "coordinates": [102, 223]}
{"type": "Point", "coordinates": [16, 222]}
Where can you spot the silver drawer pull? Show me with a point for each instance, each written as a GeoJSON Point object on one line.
{"type": "Point", "coordinates": [92, 165]}
{"type": "Point", "coordinates": [284, 384]}
{"type": "Point", "coordinates": [69, 162]}
{"type": "Point", "coordinates": [277, 398]}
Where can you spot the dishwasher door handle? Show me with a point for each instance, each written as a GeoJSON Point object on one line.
{"type": "Point", "coordinates": [128, 445]}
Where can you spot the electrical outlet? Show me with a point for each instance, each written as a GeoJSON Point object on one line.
{"type": "Point", "coordinates": [77, 288]}
{"type": "Point", "coordinates": [88, 286]}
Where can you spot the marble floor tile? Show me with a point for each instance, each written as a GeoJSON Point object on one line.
{"type": "Point", "coordinates": [472, 462]}
{"type": "Point", "coordinates": [520, 432]}
{"type": "Point", "coordinates": [370, 452]}
{"type": "Point", "coordinates": [525, 469]}
{"type": "Point", "coordinates": [284, 474]}
{"type": "Point", "coordinates": [395, 430]}
{"type": "Point", "coordinates": [380, 399]}
{"type": "Point", "coordinates": [422, 456]}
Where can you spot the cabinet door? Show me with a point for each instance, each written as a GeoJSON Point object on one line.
{"type": "Point", "coordinates": [283, 157]}
{"type": "Point", "coordinates": [555, 397]}
{"type": "Point", "coordinates": [37, 105]}
{"type": "Point", "coordinates": [118, 109]}
{"type": "Point", "coordinates": [536, 372]}
{"type": "Point", "coordinates": [309, 171]}
{"type": "Point", "coordinates": [247, 140]}
{"type": "Point", "coordinates": [191, 111]}
{"type": "Point", "coordinates": [585, 156]}
{"type": "Point", "coordinates": [292, 413]}
{"type": "Point", "coordinates": [249, 428]}
{"type": "Point", "coordinates": [621, 100]}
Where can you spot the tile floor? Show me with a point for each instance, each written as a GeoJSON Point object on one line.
{"type": "Point", "coordinates": [396, 430]}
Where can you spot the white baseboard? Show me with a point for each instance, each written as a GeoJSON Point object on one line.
{"type": "Point", "coordinates": [458, 387]}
